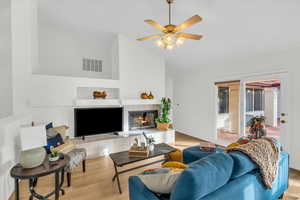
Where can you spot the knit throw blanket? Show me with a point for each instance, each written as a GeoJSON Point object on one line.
{"type": "Point", "coordinates": [265, 153]}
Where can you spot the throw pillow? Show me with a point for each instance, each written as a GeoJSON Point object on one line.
{"type": "Point", "coordinates": [62, 130]}
{"type": "Point", "coordinates": [176, 156]}
{"type": "Point", "coordinates": [53, 142]}
{"type": "Point", "coordinates": [50, 125]}
{"type": "Point", "coordinates": [51, 132]}
{"type": "Point", "coordinates": [174, 164]}
{"type": "Point", "coordinates": [161, 183]}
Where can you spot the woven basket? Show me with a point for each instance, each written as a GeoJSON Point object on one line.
{"type": "Point", "coordinates": [163, 126]}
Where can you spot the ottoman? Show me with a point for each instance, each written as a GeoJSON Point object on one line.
{"type": "Point", "coordinates": [194, 153]}
{"type": "Point", "coordinates": [77, 156]}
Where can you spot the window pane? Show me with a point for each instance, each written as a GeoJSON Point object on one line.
{"type": "Point", "coordinates": [223, 93]}
{"type": "Point", "coordinates": [249, 100]}
{"type": "Point", "coordinates": [258, 99]}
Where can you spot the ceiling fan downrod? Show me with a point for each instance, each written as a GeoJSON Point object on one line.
{"type": "Point", "coordinates": [170, 2]}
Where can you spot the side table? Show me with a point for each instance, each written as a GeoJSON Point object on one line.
{"type": "Point", "coordinates": [32, 175]}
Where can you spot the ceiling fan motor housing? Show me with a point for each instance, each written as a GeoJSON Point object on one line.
{"type": "Point", "coordinates": [170, 28]}
{"type": "Point", "coordinates": [170, 1]}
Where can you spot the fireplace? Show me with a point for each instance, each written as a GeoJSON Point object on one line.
{"type": "Point", "coordinates": [142, 119]}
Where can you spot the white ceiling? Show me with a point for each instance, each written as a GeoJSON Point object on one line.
{"type": "Point", "coordinates": [232, 29]}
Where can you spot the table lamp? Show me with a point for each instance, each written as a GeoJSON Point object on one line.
{"type": "Point", "coordinates": [33, 139]}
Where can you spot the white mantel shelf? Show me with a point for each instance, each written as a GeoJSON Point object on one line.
{"type": "Point", "coordinates": [140, 102]}
{"type": "Point", "coordinates": [96, 102]}
{"type": "Point", "coordinates": [114, 102]}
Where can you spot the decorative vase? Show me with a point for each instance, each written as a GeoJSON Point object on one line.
{"type": "Point", "coordinates": [151, 147]}
{"type": "Point", "coordinates": [163, 126]}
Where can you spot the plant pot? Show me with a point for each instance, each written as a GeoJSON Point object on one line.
{"type": "Point", "coordinates": [53, 159]}
{"type": "Point", "coordinates": [163, 126]}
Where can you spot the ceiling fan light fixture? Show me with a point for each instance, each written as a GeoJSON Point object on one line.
{"type": "Point", "coordinates": [179, 41]}
{"type": "Point", "coordinates": [172, 35]}
{"type": "Point", "coordinates": [170, 46]}
{"type": "Point", "coordinates": [160, 43]}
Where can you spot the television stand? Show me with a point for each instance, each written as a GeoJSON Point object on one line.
{"type": "Point", "coordinates": [102, 145]}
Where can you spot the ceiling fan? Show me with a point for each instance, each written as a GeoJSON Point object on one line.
{"type": "Point", "coordinates": [171, 34]}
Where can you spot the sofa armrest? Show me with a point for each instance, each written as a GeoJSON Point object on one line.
{"type": "Point", "coordinates": [138, 191]}
{"type": "Point", "coordinates": [65, 148]}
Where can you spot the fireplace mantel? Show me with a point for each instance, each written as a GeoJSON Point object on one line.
{"type": "Point", "coordinates": [114, 102]}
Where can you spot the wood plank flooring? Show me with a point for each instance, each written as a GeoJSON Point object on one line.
{"type": "Point", "coordinates": [96, 183]}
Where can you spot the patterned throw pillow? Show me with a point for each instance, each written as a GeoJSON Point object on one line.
{"type": "Point", "coordinates": [161, 183]}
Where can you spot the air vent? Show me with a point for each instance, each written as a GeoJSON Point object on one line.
{"type": "Point", "coordinates": [91, 65]}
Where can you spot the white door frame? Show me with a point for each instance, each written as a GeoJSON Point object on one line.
{"type": "Point", "coordinates": [282, 75]}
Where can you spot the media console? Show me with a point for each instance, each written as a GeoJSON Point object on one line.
{"type": "Point", "coordinates": [103, 145]}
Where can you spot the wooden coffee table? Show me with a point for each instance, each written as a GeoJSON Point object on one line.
{"type": "Point", "coordinates": [121, 159]}
{"type": "Point", "coordinates": [47, 168]}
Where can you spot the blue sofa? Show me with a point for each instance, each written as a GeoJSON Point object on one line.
{"type": "Point", "coordinates": [218, 176]}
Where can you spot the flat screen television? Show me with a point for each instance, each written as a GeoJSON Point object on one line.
{"type": "Point", "coordinates": [93, 121]}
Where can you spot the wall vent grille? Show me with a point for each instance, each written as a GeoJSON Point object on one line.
{"type": "Point", "coordinates": [91, 65]}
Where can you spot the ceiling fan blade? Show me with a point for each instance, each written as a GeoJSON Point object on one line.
{"type": "Point", "coordinates": [191, 21]}
{"type": "Point", "coordinates": [149, 37]}
{"type": "Point", "coordinates": [155, 24]}
{"type": "Point", "coordinates": [189, 36]}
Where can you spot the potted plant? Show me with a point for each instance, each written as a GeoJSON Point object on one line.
{"type": "Point", "coordinates": [53, 156]}
{"type": "Point", "coordinates": [163, 121]}
{"type": "Point", "coordinates": [257, 127]}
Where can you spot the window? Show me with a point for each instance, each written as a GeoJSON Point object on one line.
{"type": "Point", "coordinates": [223, 95]}
{"type": "Point", "coordinates": [249, 100]}
{"type": "Point", "coordinates": [258, 99]}
{"type": "Point", "coordinates": [254, 100]}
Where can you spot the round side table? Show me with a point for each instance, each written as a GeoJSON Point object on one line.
{"type": "Point", "coordinates": [32, 175]}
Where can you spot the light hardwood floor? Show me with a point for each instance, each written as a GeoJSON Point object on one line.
{"type": "Point", "coordinates": [96, 183]}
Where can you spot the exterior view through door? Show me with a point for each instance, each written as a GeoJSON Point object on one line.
{"type": "Point", "coordinates": [261, 98]}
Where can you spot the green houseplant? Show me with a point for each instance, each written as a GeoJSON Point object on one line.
{"type": "Point", "coordinates": [163, 121]}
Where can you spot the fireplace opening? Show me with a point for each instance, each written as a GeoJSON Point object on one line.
{"type": "Point", "coordinates": [142, 119]}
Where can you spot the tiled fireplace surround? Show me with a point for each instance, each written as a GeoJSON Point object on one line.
{"type": "Point", "coordinates": [133, 108]}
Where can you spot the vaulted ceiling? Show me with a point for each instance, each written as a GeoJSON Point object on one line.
{"type": "Point", "coordinates": [232, 29]}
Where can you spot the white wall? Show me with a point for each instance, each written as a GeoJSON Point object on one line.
{"type": "Point", "coordinates": [195, 93]}
{"type": "Point", "coordinates": [5, 59]}
{"type": "Point", "coordinates": [140, 69]}
{"type": "Point", "coordinates": [24, 51]}
{"type": "Point", "coordinates": [9, 151]}
{"type": "Point", "coordinates": [62, 48]}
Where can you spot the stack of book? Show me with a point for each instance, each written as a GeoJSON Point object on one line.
{"type": "Point", "coordinates": [138, 152]}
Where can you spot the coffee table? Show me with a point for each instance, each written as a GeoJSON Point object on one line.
{"type": "Point", "coordinates": [121, 159]}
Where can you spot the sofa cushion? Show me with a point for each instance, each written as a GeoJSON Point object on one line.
{"type": "Point", "coordinates": [242, 164]}
{"type": "Point", "coordinates": [195, 153]}
{"type": "Point", "coordinates": [203, 177]}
